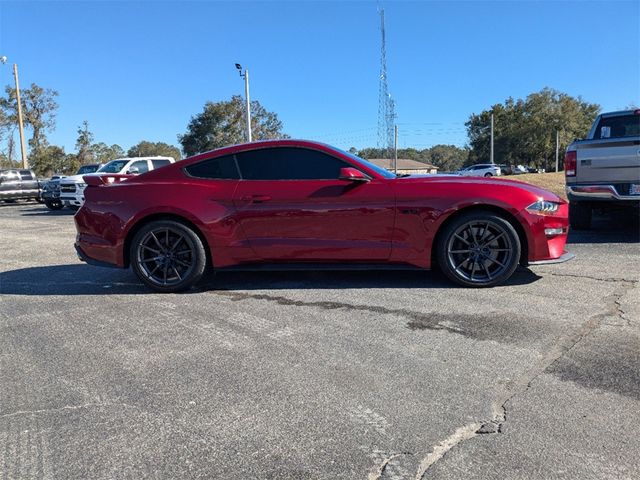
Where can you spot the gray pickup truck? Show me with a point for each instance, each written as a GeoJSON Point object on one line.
{"type": "Point", "coordinates": [603, 171]}
{"type": "Point", "coordinates": [18, 184]}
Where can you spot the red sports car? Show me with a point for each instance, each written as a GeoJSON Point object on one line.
{"type": "Point", "coordinates": [291, 204]}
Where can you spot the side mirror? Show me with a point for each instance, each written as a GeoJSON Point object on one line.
{"type": "Point", "coordinates": [350, 174]}
{"type": "Point", "coordinates": [133, 171]}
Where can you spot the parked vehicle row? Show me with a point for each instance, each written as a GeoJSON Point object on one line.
{"type": "Point", "coordinates": [294, 204]}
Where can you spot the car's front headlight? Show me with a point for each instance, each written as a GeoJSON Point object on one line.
{"type": "Point", "coordinates": [543, 207]}
{"type": "Point", "coordinates": [81, 186]}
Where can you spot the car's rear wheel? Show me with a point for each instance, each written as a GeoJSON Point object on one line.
{"type": "Point", "coordinates": [168, 256]}
{"type": "Point", "coordinates": [478, 249]}
{"type": "Point", "coordinates": [488, 174]}
{"type": "Point", "coordinates": [580, 216]}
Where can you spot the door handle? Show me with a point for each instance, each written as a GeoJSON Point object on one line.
{"type": "Point", "coordinates": [256, 198]}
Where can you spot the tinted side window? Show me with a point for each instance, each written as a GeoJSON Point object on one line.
{"type": "Point", "coordinates": [618, 127]}
{"type": "Point", "coordinates": [289, 164]}
{"type": "Point", "coordinates": [141, 165]}
{"type": "Point", "coordinates": [160, 163]}
{"type": "Point", "coordinates": [222, 168]}
{"type": "Point", "coordinates": [26, 175]}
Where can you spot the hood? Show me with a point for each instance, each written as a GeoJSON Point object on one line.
{"type": "Point", "coordinates": [488, 182]}
{"type": "Point", "coordinates": [72, 179]}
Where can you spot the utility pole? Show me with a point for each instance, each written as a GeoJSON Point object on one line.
{"type": "Point", "coordinates": [245, 75]}
{"type": "Point", "coordinates": [557, 148]}
{"type": "Point", "coordinates": [23, 149]}
{"type": "Point", "coordinates": [395, 150]}
{"type": "Point", "coordinates": [492, 138]}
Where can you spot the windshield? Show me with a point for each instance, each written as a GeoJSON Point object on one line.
{"type": "Point", "coordinates": [87, 169]}
{"type": "Point", "coordinates": [114, 166]}
{"type": "Point", "coordinates": [383, 172]}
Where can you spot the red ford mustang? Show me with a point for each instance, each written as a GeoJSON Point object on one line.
{"type": "Point", "coordinates": [289, 204]}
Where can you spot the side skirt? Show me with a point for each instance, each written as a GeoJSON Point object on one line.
{"type": "Point", "coordinates": [308, 266]}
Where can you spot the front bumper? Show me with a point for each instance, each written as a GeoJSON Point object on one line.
{"type": "Point", "coordinates": [72, 200]}
{"type": "Point", "coordinates": [565, 257]}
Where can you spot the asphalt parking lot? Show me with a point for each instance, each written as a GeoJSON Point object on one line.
{"type": "Point", "coordinates": [318, 375]}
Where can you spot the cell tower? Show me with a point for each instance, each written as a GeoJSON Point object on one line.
{"type": "Point", "coordinates": [386, 105]}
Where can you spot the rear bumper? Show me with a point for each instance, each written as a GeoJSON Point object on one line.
{"type": "Point", "coordinates": [598, 193]}
{"type": "Point", "coordinates": [565, 257]}
{"type": "Point", "coordinates": [92, 261]}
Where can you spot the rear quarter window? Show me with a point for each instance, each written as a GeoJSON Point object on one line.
{"type": "Point", "coordinates": [160, 163]}
{"type": "Point", "coordinates": [220, 168]}
{"type": "Point", "coordinates": [618, 127]}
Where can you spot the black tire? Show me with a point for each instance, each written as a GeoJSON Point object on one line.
{"type": "Point", "coordinates": [478, 249]}
{"type": "Point", "coordinates": [488, 174]}
{"type": "Point", "coordinates": [580, 216]}
{"type": "Point", "coordinates": [54, 204]}
{"type": "Point", "coordinates": [160, 264]}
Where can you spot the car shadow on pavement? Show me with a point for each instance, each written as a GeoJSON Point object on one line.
{"type": "Point", "coordinates": [617, 226]}
{"type": "Point", "coordinates": [82, 279]}
{"type": "Point", "coordinates": [336, 280]}
{"type": "Point", "coordinates": [44, 211]}
{"type": "Point", "coordinates": [75, 279]}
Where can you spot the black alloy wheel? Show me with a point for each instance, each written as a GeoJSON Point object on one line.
{"type": "Point", "coordinates": [479, 249]}
{"type": "Point", "coordinates": [168, 256]}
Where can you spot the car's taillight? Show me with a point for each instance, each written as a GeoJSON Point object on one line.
{"type": "Point", "coordinates": [570, 163]}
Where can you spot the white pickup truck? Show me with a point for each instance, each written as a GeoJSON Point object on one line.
{"type": "Point", "coordinates": [603, 171]}
{"type": "Point", "coordinates": [72, 188]}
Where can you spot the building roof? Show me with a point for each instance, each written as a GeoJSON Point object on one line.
{"type": "Point", "coordinates": [403, 164]}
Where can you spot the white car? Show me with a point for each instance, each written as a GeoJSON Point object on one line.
{"type": "Point", "coordinates": [72, 188]}
{"type": "Point", "coordinates": [481, 170]}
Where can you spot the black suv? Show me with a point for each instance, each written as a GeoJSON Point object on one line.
{"type": "Point", "coordinates": [19, 184]}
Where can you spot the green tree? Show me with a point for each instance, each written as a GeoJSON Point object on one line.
{"type": "Point", "coordinates": [525, 130]}
{"type": "Point", "coordinates": [448, 158]}
{"type": "Point", "coordinates": [83, 144]}
{"type": "Point", "coordinates": [103, 153]}
{"type": "Point", "coordinates": [38, 110]}
{"type": "Point", "coordinates": [223, 123]}
{"type": "Point", "coordinates": [50, 159]}
{"type": "Point", "coordinates": [152, 149]}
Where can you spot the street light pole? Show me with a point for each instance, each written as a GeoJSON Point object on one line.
{"type": "Point", "coordinates": [23, 149]}
{"type": "Point", "coordinates": [248, 107]}
{"type": "Point", "coordinates": [245, 75]}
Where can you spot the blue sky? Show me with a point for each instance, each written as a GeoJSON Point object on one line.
{"type": "Point", "coordinates": [139, 70]}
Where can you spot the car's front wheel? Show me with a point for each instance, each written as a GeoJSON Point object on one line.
{"type": "Point", "coordinates": [488, 174]}
{"type": "Point", "coordinates": [478, 249]}
{"type": "Point", "coordinates": [168, 256]}
{"type": "Point", "coordinates": [53, 204]}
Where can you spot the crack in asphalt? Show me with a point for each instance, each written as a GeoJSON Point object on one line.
{"type": "Point", "coordinates": [590, 277]}
{"type": "Point", "coordinates": [467, 325]}
{"type": "Point", "coordinates": [522, 384]}
{"type": "Point", "coordinates": [378, 472]}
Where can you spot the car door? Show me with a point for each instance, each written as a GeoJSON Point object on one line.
{"type": "Point", "coordinates": [292, 207]}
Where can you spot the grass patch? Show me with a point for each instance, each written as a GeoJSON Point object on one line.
{"type": "Point", "coordinates": [554, 182]}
